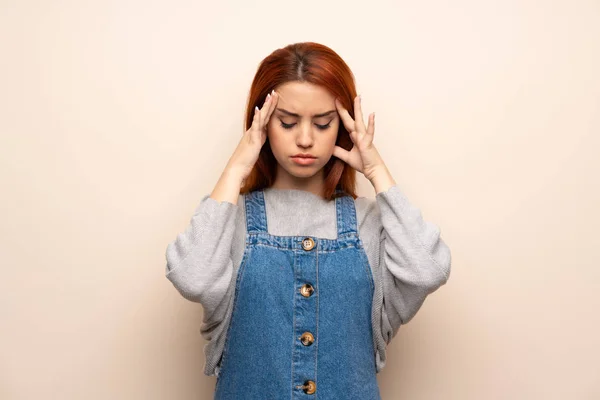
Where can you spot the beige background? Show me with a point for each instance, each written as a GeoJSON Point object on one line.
{"type": "Point", "coordinates": [117, 117]}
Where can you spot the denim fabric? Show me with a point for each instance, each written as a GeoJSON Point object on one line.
{"type": "Point", "coordinates": [263, 357]}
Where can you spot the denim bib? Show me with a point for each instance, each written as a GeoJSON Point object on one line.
{"type": "Point", "coordinates": [301, 321]}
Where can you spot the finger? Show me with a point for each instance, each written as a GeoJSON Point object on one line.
{"type": "Point", "coordinates": [341, 153]}
{"type": "Point", "coordinates": [358, 116]}
{"type": "Point", "coordinates": [263, 111]}
{"type": "Point", "coordinates": [371, 127]}
{"type": "Point", "coordinates": [268, 108]}
{"type": "Point", "coordinates": [272, 105]}
{"type": "Point", "coordinates": [263, 136]}
{"type": "Point", "coordinates": [345, 116]}
{"type": "Point", "coordinates": [250, 133]}
{"type": "Point", "coordinates": [254, 124]}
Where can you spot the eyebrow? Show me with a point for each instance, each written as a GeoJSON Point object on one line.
{"type": "Point", "coordinates": [296, 115]}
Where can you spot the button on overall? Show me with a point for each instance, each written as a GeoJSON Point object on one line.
{"type": "Point", "coordinates": [307, 338]}
{"type": "Point", "coordinates": [307, 290]}
{"type": "Point", "coordinates": [308, 244]}
{"type": "Point", "coordinates": [310, 301]}
{"type": "Point", "coordinates": [309, 387]}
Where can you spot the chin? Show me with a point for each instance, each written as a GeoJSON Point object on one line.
{"type": "Point", "coordinates": [298, 171]}
{"type": "Point", "coordinates": [303, 173]}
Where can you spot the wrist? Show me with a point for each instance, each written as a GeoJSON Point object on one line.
{"type": "Point", "coordinates": [234, 173]}
{"type": "Point", "coordinates": [381, 179]}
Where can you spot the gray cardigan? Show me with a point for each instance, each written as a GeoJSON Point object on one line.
{"type": "Point", "coordinates": [408, 258]}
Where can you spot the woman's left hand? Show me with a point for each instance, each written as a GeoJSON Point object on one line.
{"type": "Point", "coordinates": [363, 156]}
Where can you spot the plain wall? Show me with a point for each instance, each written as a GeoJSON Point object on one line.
{"type": "Point", "coordinates": [116, 117]}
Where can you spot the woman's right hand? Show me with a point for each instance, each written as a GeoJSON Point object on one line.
{"type": "Point", "coordinates": [246, 154]}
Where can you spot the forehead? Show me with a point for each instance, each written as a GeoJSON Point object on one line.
{"type": "Point", "coordinates": [304, 98]}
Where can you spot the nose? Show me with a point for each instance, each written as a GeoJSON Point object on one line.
{"type": "Point", "coordinates": [305, 136]}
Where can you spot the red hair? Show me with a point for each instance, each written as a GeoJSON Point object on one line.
{"type": "Point", "coordinates": [303, 62]}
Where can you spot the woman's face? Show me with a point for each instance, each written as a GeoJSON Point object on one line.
{"type": "Point", "coordinates": [306, 122]}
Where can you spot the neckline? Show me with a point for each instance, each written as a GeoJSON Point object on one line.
{"type": "Point", "coordinates": [257, 225]}
{"type": "Point", "coordinates": [299, 192]}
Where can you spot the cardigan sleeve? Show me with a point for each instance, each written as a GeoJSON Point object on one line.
{"type": "Point", "coordinates": [414, 259]}
{"type": "Point", "coordinates": [199, 261]}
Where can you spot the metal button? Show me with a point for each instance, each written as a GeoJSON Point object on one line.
{"type": "Point", "coordinates": [309, 387]}
{"type": "Point", "coordinates": [308, 243]}
{"type": "Point", "coordinates": [306, 290]}
{"type": "Point", "coordinates": [307, 338]}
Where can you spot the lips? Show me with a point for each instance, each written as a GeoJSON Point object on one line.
{"type": "Point", "coordinates": [303, 156]}
{"type": "Point", "coordinates": [304, 159]}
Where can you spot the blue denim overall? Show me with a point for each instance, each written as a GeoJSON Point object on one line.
{"type": "Point", "coordinates": [301, 321]}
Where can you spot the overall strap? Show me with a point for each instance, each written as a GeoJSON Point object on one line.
{"type": "Point", "coordinates": [256, 215]}
{"type": "Point", "coordinates": [346, 214]}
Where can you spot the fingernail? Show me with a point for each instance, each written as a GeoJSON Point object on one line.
{"type": "Point", "coordinates": [273, 91]}
{"type": "Point", "coordinates": [268, 97]}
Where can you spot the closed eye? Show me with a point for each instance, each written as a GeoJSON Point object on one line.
{"type": "Point", "coordinates": [290, 126]}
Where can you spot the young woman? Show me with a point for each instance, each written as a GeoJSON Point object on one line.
{"type": "Point", "coordinates": [302, 282]}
